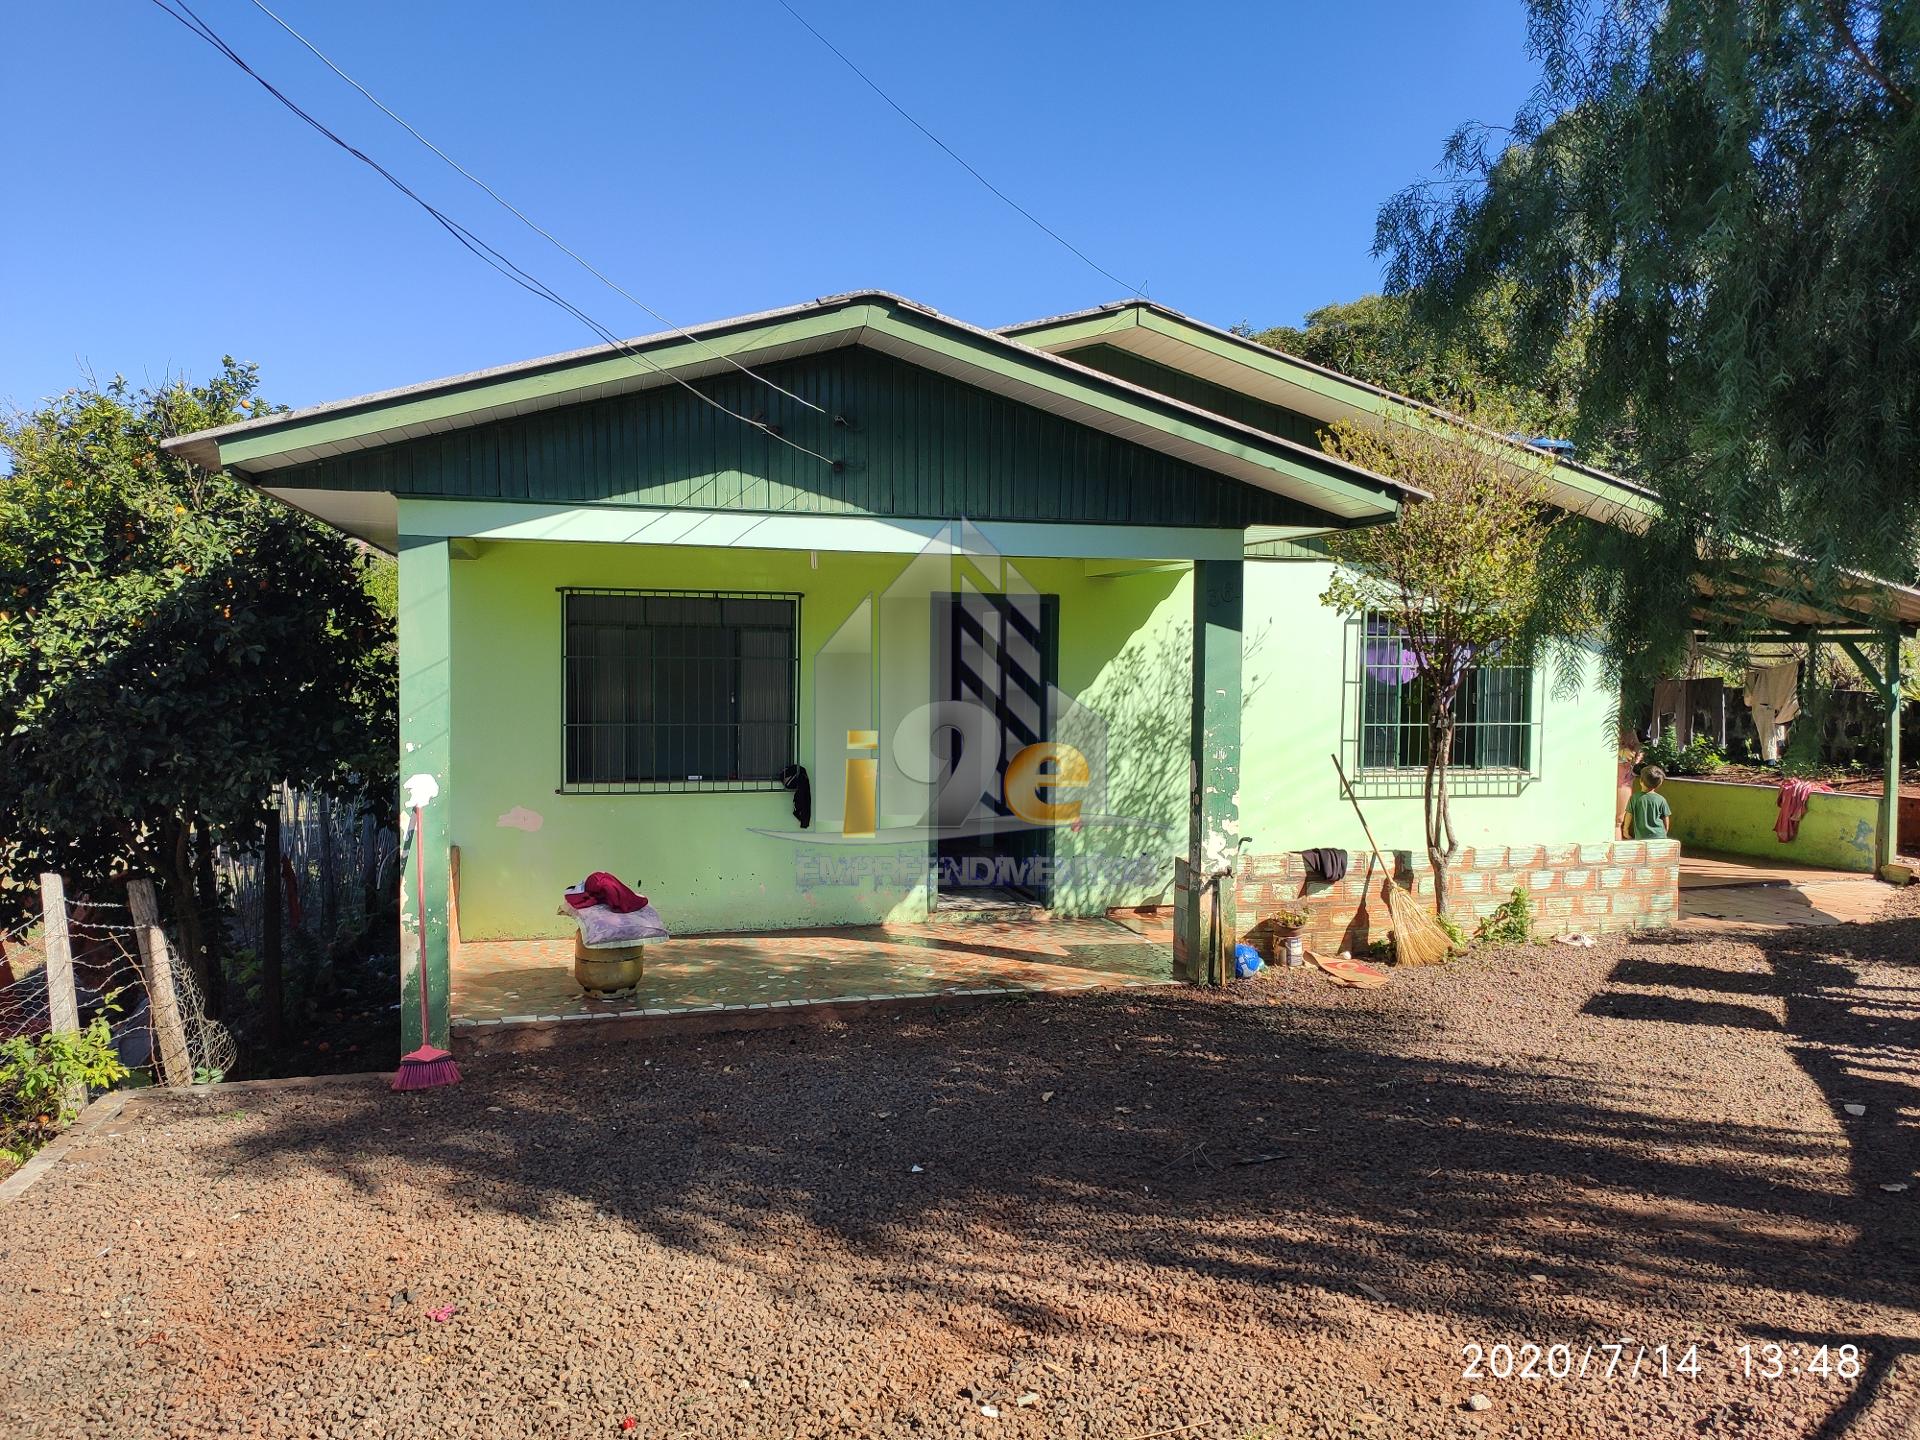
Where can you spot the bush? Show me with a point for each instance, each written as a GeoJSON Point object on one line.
{"type": "Point", "coordinates": [36, 1075]}
{"type": "Point", "coordinates": [1511, 924]}
{"type": "Point", "coordinates": [1699, 756]}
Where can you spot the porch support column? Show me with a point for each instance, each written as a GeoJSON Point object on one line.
{"type": "Point", "coordinates": [426, 719]}
{"type": "Point", "coordinates": [1890, 788]}
{"type": "Point", "coordinates": [1885, 680]}
{"type": "Point", "coordinates": [1206, 914]}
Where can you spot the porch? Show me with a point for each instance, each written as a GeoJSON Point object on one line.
{"type": "Point", "coordinates": [1739, 893]}
{"type": "Point", "coordinates": [502, 986]}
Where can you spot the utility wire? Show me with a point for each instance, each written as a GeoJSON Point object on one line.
{"type": "Point", "coordinates": [519, 215]}
{"type": "Point", "coordinates": [467, 238]}
{"type": "Point", "coordinates": [953, 154]}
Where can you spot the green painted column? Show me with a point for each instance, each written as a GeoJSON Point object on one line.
{"type": "Point", "coordinates": [1889, 848]}
{"type": "Point", "coordinates": [1213, 820]}
{"type": "Point", "coordinates": [426, 711]}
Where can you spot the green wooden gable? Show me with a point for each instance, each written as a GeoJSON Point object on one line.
{"type": "Point", "coordinates": [914, 443]}
{"type": "Point", "coordinates": [1206, 395]}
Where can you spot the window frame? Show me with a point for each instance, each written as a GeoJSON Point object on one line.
{"type": "Point", "coordinates": [1410, 779]}
{"type": "Point", "coordinates": [684, 785]}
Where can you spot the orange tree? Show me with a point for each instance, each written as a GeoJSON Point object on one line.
{"type": "Point", "coordinates": [173, 645]}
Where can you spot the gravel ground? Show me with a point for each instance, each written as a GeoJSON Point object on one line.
{"type": "Point", "coordinates": [1280, 1212]}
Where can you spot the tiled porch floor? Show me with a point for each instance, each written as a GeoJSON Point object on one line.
{"type": "Point", "coordinates": [1736, 893]}
{"type": "Point", "coordinates": [524, 981]}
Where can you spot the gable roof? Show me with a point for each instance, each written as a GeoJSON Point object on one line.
{"type": "Point", "coordinates": [1180, 342]}
{"type": "Point", "coordinates": [1766, 591]}
{"type": "Point", "coordinates": [1346, 494]}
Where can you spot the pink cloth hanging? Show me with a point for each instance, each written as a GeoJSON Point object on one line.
{"type": "Point", "coordinates": [1794, 795]}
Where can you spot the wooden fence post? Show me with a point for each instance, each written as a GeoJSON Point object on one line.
{"type": "Point", "coordinates": [169, 1033]}
{"type": "Point", "coordinates": [63, 1004]}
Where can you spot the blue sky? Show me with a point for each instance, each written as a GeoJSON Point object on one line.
{"type": "Point", "coordinates": [711, 157]}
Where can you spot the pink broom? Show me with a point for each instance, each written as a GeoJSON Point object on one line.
{"type": "Point", "coordinates": [428, 1066]}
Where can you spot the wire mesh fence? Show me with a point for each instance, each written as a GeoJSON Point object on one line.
{"type": "Point", "coordinates": [110, 983]}
{"type": "Point", "coordinates": [338, 873]}
{"type": "Point", "coordinates": [112, 989]}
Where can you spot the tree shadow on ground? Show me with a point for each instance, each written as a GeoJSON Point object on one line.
{"type": "Point", "coordinates": [1848, 998]}
{"type": "Point", "coordinates": [1176, 1142]}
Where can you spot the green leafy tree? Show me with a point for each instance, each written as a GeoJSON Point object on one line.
{"type": "Point", "coordinates": [1478, 570]}
{"type": "Point", "coordinates": [173, 645]}
{"type": "Point", "coordinates": [1718, 201]}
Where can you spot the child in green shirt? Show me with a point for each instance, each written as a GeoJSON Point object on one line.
{"type": "Point", "coordinates": [1648, 812]}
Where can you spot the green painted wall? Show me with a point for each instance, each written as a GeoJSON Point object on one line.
{"type": "Point", "coordinates": [1125, 658]}
{"type": "Point", "coordinates": [1297, 655]}
{"type": "Point", "coordinates": [697, 854]}
{"type": "Point", "coordinates": [1838, 831]}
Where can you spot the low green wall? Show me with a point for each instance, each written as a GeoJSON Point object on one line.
{"type": "Point", "coordinates": [1838, 831]}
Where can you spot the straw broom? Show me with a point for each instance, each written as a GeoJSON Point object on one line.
{"type": "Point", "coordinates": [1417, 936]}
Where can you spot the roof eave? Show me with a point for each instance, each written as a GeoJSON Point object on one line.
{"type": "Point", "coordinates": [345, 425]}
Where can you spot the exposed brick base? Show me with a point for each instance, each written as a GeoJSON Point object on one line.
{"type": "Point", "coordinates": [1605, 885]}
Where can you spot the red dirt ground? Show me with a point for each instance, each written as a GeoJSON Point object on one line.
{"type": "Point", "coordinates": [897, 1226]}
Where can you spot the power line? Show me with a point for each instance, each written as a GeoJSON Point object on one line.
{"type": "Point", "coordinates": [467, 238]}
{"type": "Point", "coordinates": [519, 215]}
{"type": "Point", "coordinates": [953, 154]}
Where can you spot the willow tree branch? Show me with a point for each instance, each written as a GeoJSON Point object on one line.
{"type": "Point", "coordinates": [1837, 13]}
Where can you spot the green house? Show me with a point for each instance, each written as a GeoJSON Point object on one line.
{"type": "Point", "coordinates": [1036, 611]}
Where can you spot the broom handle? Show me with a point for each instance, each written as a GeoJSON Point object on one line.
{"type": "Point", "coordinates": [1352, 800]}
{"type": "Point", "coordinates": [420, 893]}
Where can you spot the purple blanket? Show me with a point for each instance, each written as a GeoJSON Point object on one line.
{"type": "Point", "coordinates": [601, 927]}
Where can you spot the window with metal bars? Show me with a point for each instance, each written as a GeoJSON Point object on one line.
{"type": "Point", "coordinates": [1495, 716]}
{"type": "Point", "coordinates": [679, 690]}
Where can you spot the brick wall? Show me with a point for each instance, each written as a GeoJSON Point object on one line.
{"type": "Point", "coordinates": [1605, 885]}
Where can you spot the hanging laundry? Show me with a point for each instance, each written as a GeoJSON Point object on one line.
{"type": "Point", "coordinates": [795, 778]}
{"type": "Point", "coordinates": [1794, 795]}
{"type": "Point", "coordinates": [1773, 695]}
{"type": "Point", "coordinates": [1326, 863]}
{"type": "Point", "coordinates": [1669, 708]}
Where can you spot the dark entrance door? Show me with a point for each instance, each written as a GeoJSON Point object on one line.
{"type": "Point", "coordinates": [999, 654]}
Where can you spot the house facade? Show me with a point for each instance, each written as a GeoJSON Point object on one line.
{"type": "Point", "coordinates": [853, 613]}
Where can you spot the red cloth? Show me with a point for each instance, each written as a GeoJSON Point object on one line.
{"type": "Point", "coordinates": [604, 889]}
{"type": "Point", "coordinates": [1794, 795]}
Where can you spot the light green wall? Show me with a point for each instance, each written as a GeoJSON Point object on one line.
{"type": "Point", "coordinates": [1838, 831]}
{"type": "Point", "coordinates": [1297, 651]}
{"type": "Point", "coordinates": [1124, 658]}
{"type": "Point", "coordinates": [697, 855]}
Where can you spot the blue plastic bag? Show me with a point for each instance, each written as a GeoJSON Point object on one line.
{"type": "Point", "coordinates": [1246, 961]}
